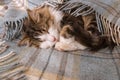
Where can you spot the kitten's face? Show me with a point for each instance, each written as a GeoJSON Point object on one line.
{"type": "Point", "coordinates": [40, 22]}
{"type": "Point", "coordinates": [41, 26]}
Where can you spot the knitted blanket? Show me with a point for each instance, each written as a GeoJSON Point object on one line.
{"type": "Point", "coordinates": [23, 63]}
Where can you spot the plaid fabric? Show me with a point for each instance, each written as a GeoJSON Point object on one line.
{"type": "Point", "coordinates": [49, 64]}
{"type": "Point", "coordinates": [2, 29]}
{"type": "Point", "coordinates": [2, 2]}
{"type": "Point", "coordinates": [81, 65]}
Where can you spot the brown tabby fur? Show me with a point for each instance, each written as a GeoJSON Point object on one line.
{"type": "Point", "coordinates": [83, 28]}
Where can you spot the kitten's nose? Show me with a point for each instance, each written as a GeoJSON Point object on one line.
{"type": "Point", "coordinates": [52, 38]}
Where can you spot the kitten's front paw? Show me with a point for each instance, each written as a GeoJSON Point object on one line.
{"type": "Point", "coordinates": [69, 46]}
{"type": "Point", "coordinates": [23, 42]}
{"type": "Point", "coordinates": [43, 46]}
{"type": "Point", "coordinates": [60, 46]}
{"type": "Point", "coordinates": [47, 44]}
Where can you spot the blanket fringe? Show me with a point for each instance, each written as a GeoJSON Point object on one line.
{"type": "Point", "coordinates": [13, 29]}
{"type": "Point", "coordinates": [111, 30]}
{"type": "Point", "coordinates": [79, 11]}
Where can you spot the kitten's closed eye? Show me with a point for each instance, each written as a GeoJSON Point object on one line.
{"type": "Point", "coordinates": [46, 37]}
{"type": "Point", "coordinates": [41, 37]}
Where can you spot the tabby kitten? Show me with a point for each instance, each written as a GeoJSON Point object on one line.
{"type": "Point", "coordinates": [46, 27]}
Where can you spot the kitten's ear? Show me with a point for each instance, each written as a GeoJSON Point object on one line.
{"type": "Point", "coordinates": [41, 15]}
{"type": "Point", "coordinates": [29, 12]}
{"type": "Point", "coordinates": [27, 19]}
{"type": "Point", "coordinates": [30, 15]}
{"type": "Point", "coordinates": [33, 15]}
